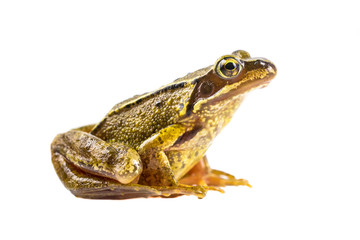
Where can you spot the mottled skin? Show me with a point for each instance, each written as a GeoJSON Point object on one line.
{"type": "Point", "coordinates": [154, 144]}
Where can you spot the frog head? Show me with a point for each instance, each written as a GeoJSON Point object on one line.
{"type": "Point", "coordinates": [219, 91]}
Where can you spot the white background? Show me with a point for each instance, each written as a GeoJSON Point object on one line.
{"type": "Point", "coordinates": [64, 64]}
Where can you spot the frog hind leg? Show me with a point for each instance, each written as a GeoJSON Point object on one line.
{"type": "Point", "coordinates": [202, 174]}
{"type": "Point", "coordinates": [86, 185]}
{"type": "Point", "coordinates": [92, 168]}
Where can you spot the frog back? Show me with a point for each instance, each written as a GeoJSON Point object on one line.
{"type": "Point", "coordinates": [134, 120]}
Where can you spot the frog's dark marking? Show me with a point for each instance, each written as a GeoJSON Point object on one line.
{"type": "Point", "coordinates": [158, 103]}
{"type": "Point", "coordinates": [195, 81]}
{"type": "Point", "coordinates": [182, 165]}
{"type": "Point", "coordinates": [99, 126]}
{"type": "Point", "coordinates": [139, 101]}
{"type": "Point", "coordinates": [171, 87]}
{"type": "Point", "coordinates": [171, 160]}
{"type": "Point", "coordinates": [188, 135]}
{"type": "Point", "coordinates": [189, 109]}
{"type": "Point", "coordinates": [178, 156]}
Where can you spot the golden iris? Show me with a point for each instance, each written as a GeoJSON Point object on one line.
{"type": "Point", "coordinates": [228, 67]}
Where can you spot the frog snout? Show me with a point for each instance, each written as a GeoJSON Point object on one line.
{"type": "Point", "coordinates": [265, 64]}
{"type": "Point", "coordinates": [270, 67]}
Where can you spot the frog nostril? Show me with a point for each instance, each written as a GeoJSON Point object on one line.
{"type": "Point", "coordinates": [260, 63]}
{"type": "Point", "coordinates": [271, 67]}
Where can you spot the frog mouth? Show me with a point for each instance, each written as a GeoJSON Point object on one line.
{"type": "Point", "coordinates": [260, 82]}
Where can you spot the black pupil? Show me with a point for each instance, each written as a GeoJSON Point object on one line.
{"type": "Point", "coordinates": [230, 66]}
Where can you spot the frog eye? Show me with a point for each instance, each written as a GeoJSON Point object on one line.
{"type": "Point", "coordinates": [228, 67]}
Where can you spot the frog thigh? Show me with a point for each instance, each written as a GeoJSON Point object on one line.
{"type": "Point", "coordinates": [95, 156]}
{"type": "Point", "coordinates": [85, 185]}
{"type": "Point", "coordinates": [203, 174]}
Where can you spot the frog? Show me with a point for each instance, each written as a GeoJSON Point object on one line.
{"type": "Point", "coordinates": [154, 144]}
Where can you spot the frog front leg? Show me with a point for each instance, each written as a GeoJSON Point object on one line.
{"type": "Point", "coordinates": [157, 170]}
{"type": "Point", "coordinates": [203, 174]}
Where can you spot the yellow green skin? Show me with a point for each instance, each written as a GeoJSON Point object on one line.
{"type": "Point", "coordinates": [145, 146]}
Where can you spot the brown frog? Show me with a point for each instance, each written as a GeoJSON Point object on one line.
{"type": "Point", "coordinates": [154, 144]}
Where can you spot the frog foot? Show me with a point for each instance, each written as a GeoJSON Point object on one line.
{"type": "Point", "coordinates": [222, 179]}
{"type": "Point", "coordinates": [118, 191]}
{"type": "Point", "coordinates": [202, 174]}
{"type": "Point", "coordinates": [214, 179]}
{"type": "Point", "coordinates": [199, 191]}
